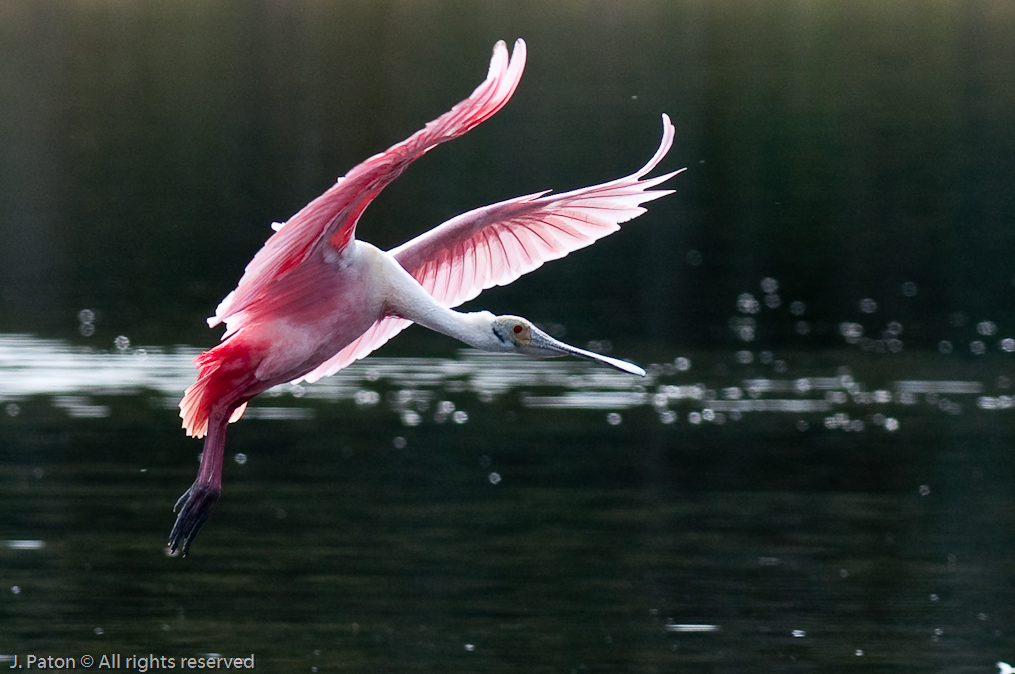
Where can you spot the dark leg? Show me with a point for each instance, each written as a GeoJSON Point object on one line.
{"type": "Point", "coordinates": [195, 505]}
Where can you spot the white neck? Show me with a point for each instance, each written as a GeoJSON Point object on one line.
{"type": "Point", "coordinates": [408, 299]}
{"type": "Point", "coordinates": [474, 328]}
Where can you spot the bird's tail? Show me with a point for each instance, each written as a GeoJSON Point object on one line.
{"type": "Point", "coordinates": [222, 372]}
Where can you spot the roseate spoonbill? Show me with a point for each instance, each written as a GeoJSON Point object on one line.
{"type": "Point", "coordinates": [314, 299]}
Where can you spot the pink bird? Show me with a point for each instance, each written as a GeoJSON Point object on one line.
{"type": "Point", "coordinates": [314, 298]}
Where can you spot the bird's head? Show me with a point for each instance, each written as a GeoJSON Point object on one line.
{"type": "Point", "coordinates": [519, 335]}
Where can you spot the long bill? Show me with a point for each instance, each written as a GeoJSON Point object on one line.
{"type": "Point", "coordinates": [541, 344]}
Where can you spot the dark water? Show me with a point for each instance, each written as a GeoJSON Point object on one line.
{"type": "Point", "coordinates": [816, 475]}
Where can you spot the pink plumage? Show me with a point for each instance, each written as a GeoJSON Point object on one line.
{"type": "Point", "coordinates": [496, 244]}
{"type": "Point", "coordinates": [314, 299]}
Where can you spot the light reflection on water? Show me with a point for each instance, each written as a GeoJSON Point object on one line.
{"type": "Point", "coordinates": [72, 376]}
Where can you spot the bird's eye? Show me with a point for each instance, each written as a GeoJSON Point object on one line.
{"type": "Point", "coordinates": [517, 329]}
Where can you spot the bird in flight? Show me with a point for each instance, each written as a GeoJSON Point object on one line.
{"type": "Point", "coordinates": [315, 299]}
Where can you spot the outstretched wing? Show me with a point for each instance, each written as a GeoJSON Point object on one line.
{"type": "Point", "coordinates": [331, 218]}
{"type": "Point", "coordinates": [496, 244]}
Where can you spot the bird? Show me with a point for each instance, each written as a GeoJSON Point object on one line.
{"type": "Point", "coordinates": [315, 298]}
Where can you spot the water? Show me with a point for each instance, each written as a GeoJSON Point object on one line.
{"type": "Point", "coordinates": [490, 512]}
{"type": "Point", "coordinates": [815, 475]}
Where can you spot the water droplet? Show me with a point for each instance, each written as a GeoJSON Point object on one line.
{"type": "Point", "coordinates": [769, 285]}
{"type": "Point", "coordinates": [977, 348]}
{"type": "Point", "coordinates": [744, 327]}
{"type": "Point", "coordinates": [694, 258]}
{"type": "Point", "coordinates": [12, 409]}
{"type": "Point", "coordinates": [460, 417]}
{"type": "Point", "coordinates": [694, 417]}
{"type": "Point", "coordinates": [668, 417]}
{"type": "Point", "coordinates": [798, 634]}
{"type": "Point", "coordinates": [747, 304]}
{"type": "Point", "coordinates": [494, 478]}
{"type": "Point", "coordinates": [944, 346]}
{"type": "Point", "coordinates": [851, 331]}
{"type": "Point", "coordinates": [410, 418]}
{"type": "Point", "coordinates": [613, 419]}
{"type": "Point", "coordinates": [399, 442]}
{"type": "Point", "coordinates": [867, 305]}
{"type": "Point", "coordinates": [99, 631]}
{"type": "Point", "coordinates": [86, 316]}
{"type": "Point", "coordinates": [122, 343]}
{"type": "Point", "coordinates": [924, 490]}
{"type": "Point", "coordinates": [15, 589]}
{"type": "Point", "coordinates": [683, 364]}
{"type": "Point", "coordinates": [797, 308]}
{"type": "Point", "coordinates": [859, 652]}
{"type": "Point", "coordinates": [470, 647]}
{"type": "Point", "coordinates": [240, 458]}
{"type": "Point", "coordinates": [365, 397]}
{"type": "Point", "coordinates": [772, 301]}
{"type": "Point", "coordinates": [986, 328]}
{"type": "Point", "coordinates": [733, 393]}
{"type": "Point", "coordinates": [86, 329]}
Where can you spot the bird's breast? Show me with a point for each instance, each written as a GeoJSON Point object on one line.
{"type": "Point", "coordinates": [323, 308]}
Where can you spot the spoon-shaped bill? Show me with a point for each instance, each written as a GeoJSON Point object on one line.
{"type": "Point", "coordinates": [541, 344]}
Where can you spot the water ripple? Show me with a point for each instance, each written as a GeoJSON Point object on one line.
{"type": "Point", "coordinates": [70, 376]}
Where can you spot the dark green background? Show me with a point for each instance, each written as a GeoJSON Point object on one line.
{"type": "Point", "coordinates": [840, 148]}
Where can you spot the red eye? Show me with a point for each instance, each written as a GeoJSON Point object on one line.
{"type": "Point", "coordinates": [517, 329]}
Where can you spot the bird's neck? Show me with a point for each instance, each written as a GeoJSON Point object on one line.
{"type": "Point", "coordinates": [473, 328]}
{"type": "Point", "coordinates": [405, 297]}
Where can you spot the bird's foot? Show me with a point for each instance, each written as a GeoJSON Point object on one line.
{"type": "Point", "coordinates": [193, 507]}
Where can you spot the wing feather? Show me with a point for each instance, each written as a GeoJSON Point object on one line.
{"type": "Point", "coordinates": [519, 235]}
{"type": "Point", "coordinates": [496, 244]}
{"type": "Point", "coordinates": [331, 218]}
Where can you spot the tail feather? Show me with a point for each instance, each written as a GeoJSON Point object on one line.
{"type": "Point", "coordinates": [223, 372]}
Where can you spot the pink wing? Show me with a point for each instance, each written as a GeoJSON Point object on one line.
{"type": "Point", "coordinates": [496, 244]}
{"type": "Point", "coordinates": [331, 218]}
